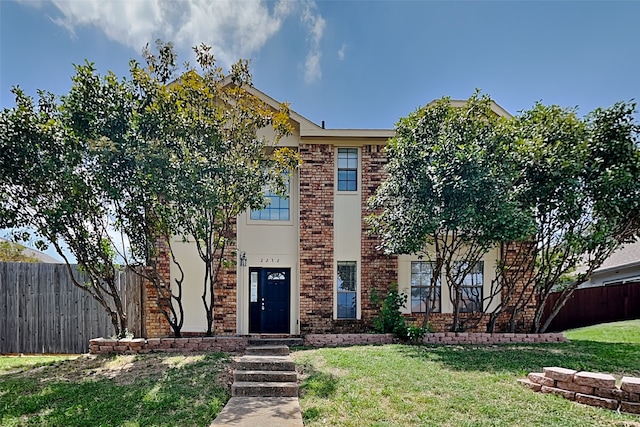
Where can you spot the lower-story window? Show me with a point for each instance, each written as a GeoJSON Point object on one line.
{"type": "Point", "coordinates": [471, 289]}
{"type": "Point", "coordinates": [424, 291]}
{"type": "Point", "coordinates": [346, 292]}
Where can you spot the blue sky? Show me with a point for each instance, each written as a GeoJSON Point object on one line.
{"type": "Point", "coordinates": [354, 64]}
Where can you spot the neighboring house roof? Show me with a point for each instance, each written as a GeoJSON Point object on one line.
{"type": "Point", "coordinates": [623, 266]}
{"type": "Point", "coordinates": [40, 256]}
{"type": "Point", "coordinates": [627, 256]}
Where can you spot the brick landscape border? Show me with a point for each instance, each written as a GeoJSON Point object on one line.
{"type": "Point", "coordinates": [226, 344]}
{"type": "Point", "coordinates": [589, 388]}
{"type": "Point", "coordinates": [444, 338]}
{"type": "Point", "coordinates": [235, 344]}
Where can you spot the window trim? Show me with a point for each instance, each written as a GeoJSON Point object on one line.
{"type": "Point", "coordinates": [357, 169]}
{"type": "Point", "coordinates": [277, 222]}
{"type": "Point", "coordinates": [411, 287]}
{"type": "Point", "coordinates": [355, 292]}
{"type": "Point", "coordinates": [479, 286]}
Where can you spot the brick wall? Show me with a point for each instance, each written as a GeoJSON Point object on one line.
{"type": "Point", "coordinates": [225, 293]}
{"type": "Point", "coordinates": [589, 388]}
{"type": "Point", "coordinates": [169, 345]}
{"type": "Point", "coordinates": [316, 237]}
{"type": "Point", "coordinates": [378, 270]}
{"type": "Point", "coordinates": [154, 322]}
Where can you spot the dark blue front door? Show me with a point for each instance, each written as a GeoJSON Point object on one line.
{"type": "Point", "coordinates": [269, 300]}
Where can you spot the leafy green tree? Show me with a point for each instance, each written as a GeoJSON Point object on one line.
{"type": "Point", "coordinates": [168, 152]}
{"type": "Point", "coordinates": [47, 185]}
{"type": "Point", "coordinates": [14, 252]}
{"type": "Point", "coordinates": [205, 127]}
{"type": "Point", "coordinates": [450, 194]}
{"type": "Point", "coordinates": [581, 182]}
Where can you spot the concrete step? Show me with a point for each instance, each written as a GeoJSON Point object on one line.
{"type": "Point", "coordinates": [291, 342]}
{"type": "Point", "coordinates": [265, 376]}
{"type": "Point", "coordinates": [264, 389]}
{"type": "Point", "coordinates": [267, 350]}
{"type": "Point", "coordinates": [265, 363]}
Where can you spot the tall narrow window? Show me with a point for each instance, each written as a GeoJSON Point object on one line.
{"type": "Point", "coordinates": [277, 209]}
{"type": "Point", "coordinates": [471, 289]}
{"type": "Point", "coordinates": [346, 294]}
{"type": "Point", "coordinates": [424, 291]}
{"type": "Point", "coordinates": [347, 169]}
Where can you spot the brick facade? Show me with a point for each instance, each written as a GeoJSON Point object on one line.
{"type": "Point", "coordinates": [378, 270]}
{"type": "Point", "coordinates": [316, 238]}
{"type": "Point", "coordinates": [154, 322]}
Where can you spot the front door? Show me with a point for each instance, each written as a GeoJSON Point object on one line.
{"type": "Point", "coordinates": [269, 300]}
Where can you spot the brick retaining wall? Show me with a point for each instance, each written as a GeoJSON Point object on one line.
{"type": "Point", "coordinates": [328, 340]}
{"type": "Point", "coordinates": [589, 388]}
{"type": "Point", "coordinates": [234, 344]}
{"type": "Point", "coordinates": [141, 345]}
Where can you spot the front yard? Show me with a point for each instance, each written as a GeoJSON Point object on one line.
{"type": "Point", "coordinates": [391, 385]}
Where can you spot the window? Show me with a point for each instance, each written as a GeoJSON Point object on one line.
{"type": "Point", "coordinates": [347, 169]}
{"type": "Point", "coordinates": [346, 294]}
{"type": "Point", "coordinates": [276, 210]}
{"type": "Point", "coordinates": [471, 289]}
{"type": "Point", "coordinates": [423, 290]}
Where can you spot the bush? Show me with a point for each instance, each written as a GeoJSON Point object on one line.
{"type": "Point", "coordinates": [390, 319]}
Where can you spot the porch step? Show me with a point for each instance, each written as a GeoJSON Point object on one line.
{"type": "Point", "coordinates": [267, 350]}
{"type": "Point", "coordinates": [290, 342]}
{"type": "Point", "coordinates": [265, 363]}
{"type": "Point", "coordinates": [264, 389]}
{"type": "Point", "coordinates": [265, 376]}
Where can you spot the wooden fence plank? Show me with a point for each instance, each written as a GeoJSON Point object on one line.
{"type": "Point", "coordinates": [43, 311]}
{"type": "Point", "coordinates": [590, 306]}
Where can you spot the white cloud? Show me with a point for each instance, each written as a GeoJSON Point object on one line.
{"type": "Point", "coordinates": [315, 25]}
{"type": "Point", "coordinates": [234, 29]}
{"type": "Point", "coordinates": [342, 51]}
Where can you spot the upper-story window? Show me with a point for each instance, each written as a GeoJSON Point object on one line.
{"type": "Point", "coordinates": [278, 208]}
{"type": "Point", "coordinates": [347, 169]}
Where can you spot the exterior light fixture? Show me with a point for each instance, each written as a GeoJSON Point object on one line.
{"type": "Point", "coordinates": [243, 259]}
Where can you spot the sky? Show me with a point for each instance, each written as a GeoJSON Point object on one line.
{"type": "Point", "coordinates": [352, 64]}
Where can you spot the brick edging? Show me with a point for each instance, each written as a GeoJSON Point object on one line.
{"type": "Point", "coordinates": [237, 344]}
{"type": "Point", "coordinates": [589, 388]}
{"type": "Point", "coordinates": [227, 344]}
{"type": "Point", "coordinates": [445, 338]}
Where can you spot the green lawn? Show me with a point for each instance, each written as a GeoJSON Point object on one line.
{"type": "Point", "coordinates": [621, 332]}
{"type": "Point", "coordinates": [392, 385]}
{"type": "Point", "coordinates": [469, 385]}
{"type": "Point", "coordinates": [145, 390]}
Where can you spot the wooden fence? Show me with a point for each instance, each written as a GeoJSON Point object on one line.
{"type": "Point", "coordinates": [42, 311]}
{"type": "Point", "coordinates": [590, 306]}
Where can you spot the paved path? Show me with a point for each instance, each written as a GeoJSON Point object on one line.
{"type": "Point", "coordinates": [265, 390]}
{"type": "Point", "coordinates": [261, 412]}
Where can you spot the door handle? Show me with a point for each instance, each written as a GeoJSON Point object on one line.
{"type": "Point", "coordinates": [263, 306]}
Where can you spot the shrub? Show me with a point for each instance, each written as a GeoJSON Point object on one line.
{"type": "Point", "coordinates": [390, 319]}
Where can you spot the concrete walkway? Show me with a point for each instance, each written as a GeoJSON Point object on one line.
{"type": "Point", "coordinates": [265, 390]}
{"type": "Point", "coordinates": [261, 412]}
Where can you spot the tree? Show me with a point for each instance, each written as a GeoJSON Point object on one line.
{"type": "Point", "coordinates": [47, 185]}
{"type": "Point", "coordinates": [14, 252]}
{"type": "Point", "coordinates": [204, 127]}
{"type": "Point", "coordinates": [450, 195]}
{"type": "Point", "coordinates": [168, 152]}
{"type": "Point", "coordinates": [581, 182]}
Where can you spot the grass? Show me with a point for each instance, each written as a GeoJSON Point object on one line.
{"type": "Point", "coordinates": [617, 332]}
{"type": "Point", "coordinates": [397, 385]}
{"type": "Point", "coordinates": [144, 390]}
{"type": "Point", "coordinates": [392, 385]}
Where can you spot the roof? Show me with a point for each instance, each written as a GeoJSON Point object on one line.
{"type": "Point", "coordinates": [40, 256]}
{"type": "Point", "coordinates": [626, 256]}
